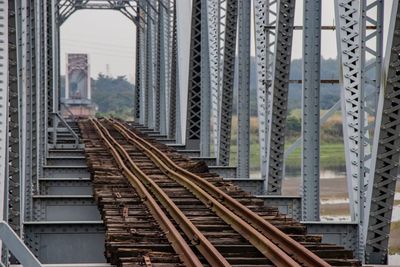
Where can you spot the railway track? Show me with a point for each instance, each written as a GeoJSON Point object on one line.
{"type": "Point", "coordinates": [158, 213]}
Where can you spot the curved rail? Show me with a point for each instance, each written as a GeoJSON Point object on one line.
{"type": "Point", "coordinates": [286, 243]}
{"type": "Point", "coordinates": [179, 244]}
{"type": "Point", "coordinates": [257, 239]}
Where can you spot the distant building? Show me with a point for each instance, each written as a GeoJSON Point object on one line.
{"type": "Point", "coordinates": [78, 92]}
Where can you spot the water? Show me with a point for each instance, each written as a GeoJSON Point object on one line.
{"type": "Point", "coordinates": [395, 214]}
{"type": "Point", "coordinates": [394, 260]}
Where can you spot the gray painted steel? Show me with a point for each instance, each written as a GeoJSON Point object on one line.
{"type": "Point", "coordinates": [244, 20]}
{"type": "Point", "coordinates": [280, 84]}
{"type": "Point", "coordinates": [385, 169]}
{"type": "Point", "coordinates": [225, 113]}
{"type": "Point", "coordinates": [311, 109]}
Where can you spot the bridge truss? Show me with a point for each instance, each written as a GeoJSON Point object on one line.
{"type": "Point", "coordinates": [194, 74]}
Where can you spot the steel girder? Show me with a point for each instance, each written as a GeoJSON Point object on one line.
{"type": "Point", "coordinates": [31, 161]}
{"type": "Point", "coordinates": [157, 71]}
{"type": "Point", "coordinates": [193, 124]}
{"type": "Point", "coordinates": [381, 191]}
{"type": "Point", "coordinates": [349, 44]}
{"type": "Point", "coordinates": [173, 96]}
{"type": "Point", "coordinates": [14, 180]}
{"type": "Point", "coordinates": [4, 110]}
{"type": "Point", "coordinates": [225, 114]}
{"type": "Point", "coordinates": [149, 115]}
{"type": "Point", "coordinates": [371, 47]}
{"type": "Point", "coordinates": [164, 31]}
{"type": "Point", "coordinates": [311, 109]}
{"type": "Point", "coordinates": [42, 83]}
{"type": "Point", "coordinates": [214, 10]}
{"type": "Point", "coordinates": [243, 156]}
{"type": "Point", "coordinates": [280, 86]}
{"type": "Point", "coordinates": [128, 8]}
{"type": "Point", "coordinates": [138, 77]}
{"type": "Point", "coordinates": [265, 25]}
{"type": "Point", "coordinates": [360, 81]}
{"type": "Point", "coordinates": [205, 137]}
{"type": "Point", "coordinates": [49, 65]}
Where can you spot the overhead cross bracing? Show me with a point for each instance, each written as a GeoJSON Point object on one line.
{"type": "Point", "coordinates": [189, 57]}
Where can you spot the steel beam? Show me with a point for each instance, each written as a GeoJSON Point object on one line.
{"type": "Point", "coordinates": [243, 156]}
{"type": "Point", "coordinates": [214, 10]}
{"type": "Point", "coordinates": [265, 26]}
{"type": "Point", "coordinates": [14, 183]}
{"type": "Point", "coordinates": [157, 70]}
{"type": "Point", "coordinates": [225, 114]}
{"type": "Point", "coordinates": [4, 111]}
{"type": "Point", "coordinates": [205, 130]}
{"type": "Point", "coordinates": [149, 115]}
{"type": "Point", "coordinates": [138, 77]}
{"type": "Point", "coordinates": [311, 109]}
{"type": "Point", "coordinates": [173, 99]}
{"type": "Point", "coordinates": [193, 124]}
{"type": "Point", "coordinates": [349, 44]}
{"type": "Point", "coordinates": [163, 29]}
{"type": "Point", "coordinates": [280, 86]}
{"type": "Point", "coordinates": [381, 191]}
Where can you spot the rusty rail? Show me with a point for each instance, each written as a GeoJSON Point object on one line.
{"type": "Point", "coordinates": [286, 243]}
{"type": "Point", "coordinates": [268, 248]}
{"type": "Point", "coordinates": [177, 241]}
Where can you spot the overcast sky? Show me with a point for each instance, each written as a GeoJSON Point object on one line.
{"type": "Point", "coordinates": [109, 38]}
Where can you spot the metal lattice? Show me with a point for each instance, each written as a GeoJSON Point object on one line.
{"type": "Point", "coordinates": [225, 114]}
{"type": "Point", "coordinates": [280, 86]}
{"type": "Point", "coordinates": [265, 22]}
{"type": "Point", "coordinates": [193, 124]}
{"type": "Point", "coordinates": [386, 168]}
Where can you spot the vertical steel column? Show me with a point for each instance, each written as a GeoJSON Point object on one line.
{"type": "Point", "coordinates": [225, 114]}
{"type": "Point", "coordinates": [149, 116]}
{"type": "Point", "coordinates": [265, 22]}
{"type": "Point", "coordinates": [311, 109]}
{"type": "Point", "coordinates": [138, 77]}
{"type": "Point", "coordinates": [49, 66]}
{"type": "Point", "coordinates": [14, 187]}
{"type": "Point", "coordinates": [213, 10]}
{"type": "Point", "coordinates": [157, 78]}
{"type": "Point", "coordinates": [382, 188]}
{"type": "Point", "coordinates": [173, 82]}
{"type": "Point", "coordinates": [56, 55]}
{"type": "Point", "coordinates": [349, 44]}
{"type": "Point", "coordinates": [163, 28]}
{"type": "Point", "coordinates": [30, 152]}
{"type": "Point", "coordinates": [144, 70]}
{"type": "Point", "coordinates": [280, 86]}
{"type": "Point", "coordinates": [42, 93]}
{"type": "Point", "coordinates": [23, 87]}
{"type": "Point", "coordinates": [193, 124]}
{"type": "Point", "coordinates": [205, 136]}
{"type": "Point", "coordinates": [371, 47]}
{"type": "Point", "coordinates": [243, 160]}
{"type": "Point", "coordinates": [4, 82]}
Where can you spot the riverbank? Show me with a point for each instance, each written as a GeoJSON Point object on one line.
{"type": "Point", "coordinates": [334, 204]}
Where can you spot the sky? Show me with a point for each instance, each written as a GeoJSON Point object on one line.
{"type": "Point", "coordinates": [109, 38]}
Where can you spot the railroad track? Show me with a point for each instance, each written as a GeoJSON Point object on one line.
{"type": "Point", "coordinates": [190, 218]}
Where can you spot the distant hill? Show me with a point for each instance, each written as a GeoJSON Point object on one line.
{"type": "Point", "coordinates": [116, 94]}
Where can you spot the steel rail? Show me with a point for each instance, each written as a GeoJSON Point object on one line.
{"type": "Point", "coordinates": [283, 241]}
{"type": "Point", "coordinates": [179, 244]}
{"type": "Point", "coordinates": [270, 250]}
{"type": "Point", "coordinates": [210, 253]}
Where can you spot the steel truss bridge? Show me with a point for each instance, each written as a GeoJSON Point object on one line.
{"type": "Point", "coordinates": [194, 74]}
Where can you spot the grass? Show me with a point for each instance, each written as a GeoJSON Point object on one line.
{"type": "Point", "coordinates": [331, 156]}
{"type": "Point", "coordinates": [394, 243]}
{"type": "Point", "coordinates": [332, 149]}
